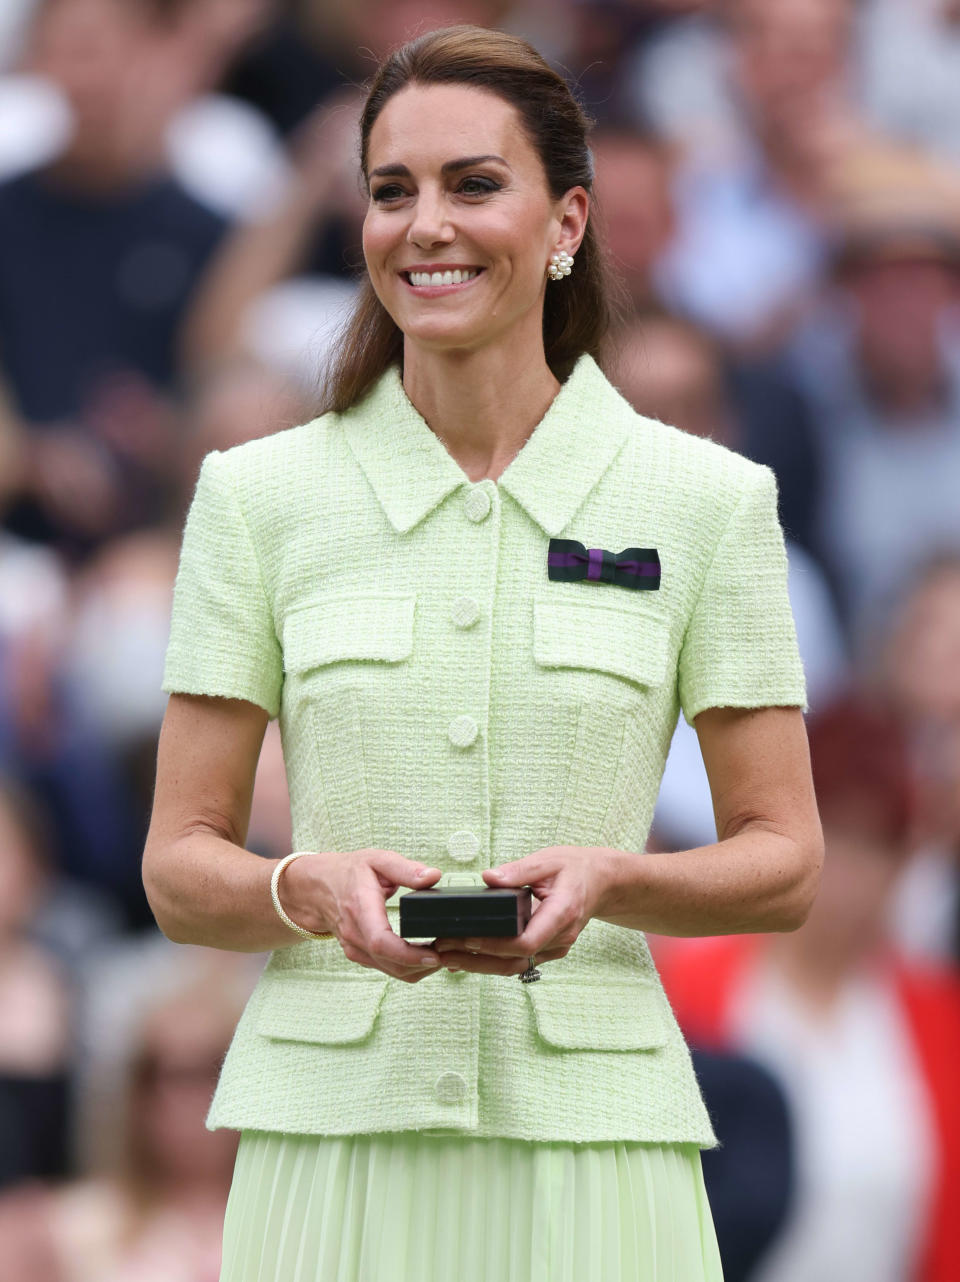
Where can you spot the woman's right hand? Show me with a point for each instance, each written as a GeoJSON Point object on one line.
{"type": "Point", "coordinates": [346, 893]}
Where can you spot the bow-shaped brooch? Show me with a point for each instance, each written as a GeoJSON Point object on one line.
{"type": "Point", "coordinates": [568, 561]}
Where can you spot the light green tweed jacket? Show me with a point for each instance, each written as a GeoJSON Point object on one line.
{"type": "Point", "coordinates": [438, 695]}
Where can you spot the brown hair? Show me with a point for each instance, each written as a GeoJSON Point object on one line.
{"type": "Point", "coordinates": [577, 313]}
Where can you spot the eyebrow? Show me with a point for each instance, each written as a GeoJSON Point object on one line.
{"type": "Point", "coordinates": [451, 166]}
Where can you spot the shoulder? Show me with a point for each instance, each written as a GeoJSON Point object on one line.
{"type": "Point", "coordinates": [279, 455]}
{"type": "Point", "coordinates": [698, 471]}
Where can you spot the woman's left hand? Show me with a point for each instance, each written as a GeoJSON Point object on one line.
{"type": "Point", "coordinates": [568, 883]}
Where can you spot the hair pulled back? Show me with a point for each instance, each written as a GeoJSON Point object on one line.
{"type": "Point", "coordinates": [577, 312]}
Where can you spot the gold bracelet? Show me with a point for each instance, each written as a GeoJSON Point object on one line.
{"type": "Point", "coordinates": [275, 893]}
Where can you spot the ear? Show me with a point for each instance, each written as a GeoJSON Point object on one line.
{"type": "Point", "coordinates": [573, 210]}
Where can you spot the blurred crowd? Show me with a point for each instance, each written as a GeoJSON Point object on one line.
{"type": "Point", "coordinates": [779, 183]}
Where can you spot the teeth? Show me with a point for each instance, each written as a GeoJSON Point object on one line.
{"type": "Point", "coordinates": [455, 277]}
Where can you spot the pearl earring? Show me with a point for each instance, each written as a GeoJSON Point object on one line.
{"type": "Point", "coordinates": [561, 264]}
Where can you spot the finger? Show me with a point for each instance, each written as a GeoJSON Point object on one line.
{"type": "Point", "coordinates": [402, 872]}
{"type": "Point", "coordinates": [521, 872]}
{"type": "Point", "coordinates": [409, 975]}
{"type": "Point", "coordinates": [551, 920]}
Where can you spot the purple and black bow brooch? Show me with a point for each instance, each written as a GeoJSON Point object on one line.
{"type": "Point", "coordinates": [568, 561]}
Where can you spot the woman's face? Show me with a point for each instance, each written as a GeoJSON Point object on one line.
{"type": "Point", "coordinates": [461, 223]}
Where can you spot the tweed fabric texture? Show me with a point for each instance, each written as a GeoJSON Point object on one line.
{"type": "Point", "coordinates": [323, 576]}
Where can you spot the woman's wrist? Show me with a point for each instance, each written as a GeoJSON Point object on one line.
{"type": "Point", "coordinates": [275, 881]}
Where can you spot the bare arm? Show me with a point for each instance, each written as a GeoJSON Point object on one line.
{"type": "Point", "coordinates": [763, 872]}
{"type": "Point", "coordinates": [205, 888]}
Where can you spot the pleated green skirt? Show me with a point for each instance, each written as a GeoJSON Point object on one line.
{"type": "Point", "coordinates": [408, 1207]}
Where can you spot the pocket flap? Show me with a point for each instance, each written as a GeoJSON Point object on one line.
{"type": "Point", "coordinates": [355, 626]}
{"type": "Point", "coordinates": [307, 1008]}
{"type": "Point", "coordinates": [601, 636]}
{"type": "Point", "coordinates": [601, 1014]}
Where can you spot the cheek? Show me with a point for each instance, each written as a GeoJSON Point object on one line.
{"type": "Point", "coordinates": [377, 240]}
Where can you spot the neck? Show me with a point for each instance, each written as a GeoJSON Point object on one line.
{"type": "Point", "coordinates": [482, 405]}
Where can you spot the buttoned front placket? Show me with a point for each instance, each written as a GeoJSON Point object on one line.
{"type": "Point", "coordinates": [470, 610]}
{"type": "Point", "coordinates": [464, 724]}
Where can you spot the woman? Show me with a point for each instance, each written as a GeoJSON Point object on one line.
{"type": "Point", "coordinates": [459, 688]}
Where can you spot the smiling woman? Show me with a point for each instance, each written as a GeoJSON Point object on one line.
{"type": "Point", "coordinates": [477, 592]}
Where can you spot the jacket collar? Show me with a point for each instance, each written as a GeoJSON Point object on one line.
{"type": "Point", "coordinates": [411, 472]}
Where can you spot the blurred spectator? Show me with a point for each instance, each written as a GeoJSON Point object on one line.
{"type": "Point", "coordinates": [919, 671]}
{"type": "Point", "coordinates": [635, 202]}
{"type": "Point", "coordinates": [36, 1024]}
{"type": "Point", "coordinates": [100, 251]}
{"type": "Point", "coordinates": [879, 364]}
{"type": "Point", "coordinates": [670, 370]}
{"type": "Point", "coordinates": [865, 1043]}
{"type": "Point", "coordinates": [153, 1210]}
{"type": "Point", "coordinates": [753, 202]}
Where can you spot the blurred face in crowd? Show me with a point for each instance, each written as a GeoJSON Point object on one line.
{"type": "Point", "coordinates": [461, 222]}
{"type": "Point", "coordinates": [173, 1080]}
{"type": "Point", "coordinates": [900, 303]}
{"type": "Point", "coordinates": [636, 205]}
{"type": "Point", "coordinates": [923, 664]}
{"type": "Point", "coordinates": [862, 863]}
{"type": "Point", "coordinates": [123, 69]}
{"type": "Point", "coordinates": [788, 54]}
{"type": "Point", "coordinates": [922, 675]}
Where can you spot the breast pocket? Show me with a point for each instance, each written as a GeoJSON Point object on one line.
{"type": "Point", "coordinates": [344, 657]}
{"type": "Point", "coordinates": [611, 661]}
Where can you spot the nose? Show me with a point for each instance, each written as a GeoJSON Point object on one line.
{"type": "Point", "coordinates": [430, 224]}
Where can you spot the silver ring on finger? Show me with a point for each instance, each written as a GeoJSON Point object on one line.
{"type": "Point", "coordinates": [531, 974]}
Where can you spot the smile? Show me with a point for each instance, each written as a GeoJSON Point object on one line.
{"type": "Point", "coordinates": [441, 279]}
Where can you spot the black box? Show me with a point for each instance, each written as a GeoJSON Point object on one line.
{"type": "Point", "coordinates": [455, 912]}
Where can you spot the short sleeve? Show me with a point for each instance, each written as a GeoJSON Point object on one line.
{"type": "Point", "coordinates": [222, 636]}
{"type": "Point", "coordinates": [740, 647]}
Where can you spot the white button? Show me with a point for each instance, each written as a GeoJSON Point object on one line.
{"type": "Point", "coordinates": [464, 846]}
{"type": "Point", "coordinates": [450, 1088]}
{"type": "Point", "coordinates": [462, 731]}
{"type": "Point", "coordinates": [465, 611]}
{"type": "Point", "coordinates": [477, 504]}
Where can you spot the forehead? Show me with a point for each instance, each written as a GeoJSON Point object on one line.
{"type": "Point", "coordinates": [424, 125]}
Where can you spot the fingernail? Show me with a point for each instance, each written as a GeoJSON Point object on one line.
{"type": "Point", "coordinates": [472, 945]}
{"type": "Point", "coordinates": [453, 968]}
{"type": "Point", "coordinates": [429, 961]}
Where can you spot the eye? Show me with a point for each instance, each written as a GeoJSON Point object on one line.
{"type": "Point", "coordinates": [477, 185]}
{"type": "Point", "coordinates": [386, 193]}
